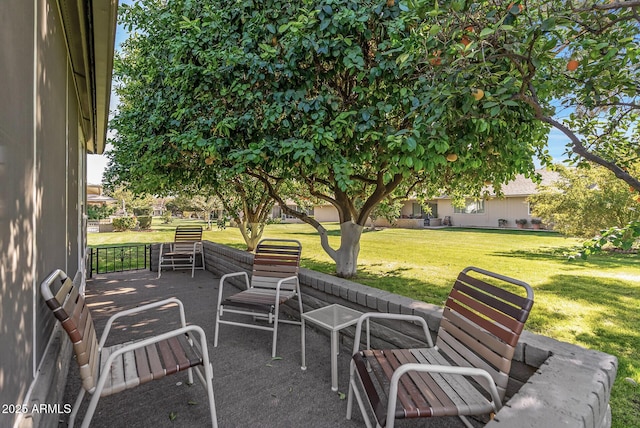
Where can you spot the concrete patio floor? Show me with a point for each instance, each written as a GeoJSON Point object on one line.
{"type": "Point", "coordinates": [251, 389]}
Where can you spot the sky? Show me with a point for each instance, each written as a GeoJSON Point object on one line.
{"type": "Point", "coordinates": [96, 164]}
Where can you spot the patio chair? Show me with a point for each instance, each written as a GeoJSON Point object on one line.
{"type": "Point", "coordinates": [274, 281]}
{"type": "Point", "coordinates": [466, 373]}
{"type": "Point", "coordinates": [187, 244]}
{"type": "Point", "coordinates": [108, 370]}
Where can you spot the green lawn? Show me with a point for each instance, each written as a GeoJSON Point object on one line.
{"type": "Point", "coordinates": [594, 303]}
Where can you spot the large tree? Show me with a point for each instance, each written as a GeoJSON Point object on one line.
{"type": "Point", "coordinates": [322, 92]}
{"type": "Point", "coordinates": [576, 63]}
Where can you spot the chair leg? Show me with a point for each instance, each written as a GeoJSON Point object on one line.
{"type": "Point", "coordinates": [275, 332]}
{"type": "Point", "coordinates": [212, 404]}
{"type": "Point", "coordinates": [303, 354]}
{"type": "Point", "coordinates": [76, 407]}
{"type": "Point", "coordinates": [216, 327]}
{"type": "Point", "coordinates": [91, 409]}
{"type": "Point", "coordinates": [353, 388]}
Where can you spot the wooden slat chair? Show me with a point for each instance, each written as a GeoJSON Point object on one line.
{"type": "Point", "coordinates": [182, 254]}
{"type": "Point", "coordinates": [466, 373]}
{"type": "Point", "coordinates": [274, 280]}
{"type": "Point", "coordinates": [108, 370]}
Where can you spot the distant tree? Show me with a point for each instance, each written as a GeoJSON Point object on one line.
{"type": "Point", "coordinates": [98, 212]}
{"type": "Point", "coordinates": [586, 201]}
{"type": "Point", "coordinates": [207, 205]}
{"type": "Point", "coordinates": [130, 202]}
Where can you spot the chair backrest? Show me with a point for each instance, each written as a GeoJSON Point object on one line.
{"type": "Point", "coordinates": [185, 236]}
{"type": "Point", "coordinates": [70, 309]}
{"type": "Point", "coordinates": [274, 260]}
{"type": "Point", "coordinates": [482, 322]}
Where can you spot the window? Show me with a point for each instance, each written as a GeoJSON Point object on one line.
{"type": "Point", "coordinates": [472, 206]}
{"type": "Point", "coordinates": [532, 206]}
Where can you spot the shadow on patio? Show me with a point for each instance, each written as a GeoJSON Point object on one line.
{"type": "Point", "coordinates": [251, 389]}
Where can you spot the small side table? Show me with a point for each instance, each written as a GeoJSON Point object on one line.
{"type": "Point", "coordinates": [334, 318]}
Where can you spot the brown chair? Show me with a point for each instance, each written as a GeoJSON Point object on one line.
{"type": "Point", "coordinates": [274, 281]}
{"type": "Point", "coordinates": [466, 373]}
{"type": "Point", "coordinates": [108, 370]}
{"type": "Point", "coordinates": [182, 254]}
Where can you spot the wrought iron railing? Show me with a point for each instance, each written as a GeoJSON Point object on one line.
{"type": "Point", "coordinates": [118, 258]}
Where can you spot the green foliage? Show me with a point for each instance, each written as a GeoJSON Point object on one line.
{"type": "Point", "coordinates": [144, 221]}
{"type": "Point", "coordinates": [136, 203]}
{"type": "Point", "coordinates": [625, 238]}
{"type": "Point", "coordinates": [167, 217]}
{"type": "Point", "coordinates": [585, 201]}
{"type": "Point", "coordinates": [121, 224]}
{"type": "Point", "coordinates": [330, 93]}
{"type": "Point", "coordinates": [99, 212]}
{"type": "Point", "coordinates": [519, 56]}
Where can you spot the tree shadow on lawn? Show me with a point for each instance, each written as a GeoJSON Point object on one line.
{"type": "Point", "coordinates": [515, 232]}
{"type": "Point", "coordinates": [610, 306]}
{"type": "Point", "coordinates": [559, 254]}
{"type": "Point", "coordinates": [392, 281]}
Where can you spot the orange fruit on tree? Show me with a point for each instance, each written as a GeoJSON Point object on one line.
{"type": "Point", "coordinates": [465, 41]}
{"type": "Point", "coordinates": [436, 60]}
{"type": "Point", "coordinates": [477, 93]}
{"type": "Point", "coordinates": [573, 64]}
{"type": "Point", "coordinates": [209, 160]}
{"type": "Point", "coordinates": [514, 11]}
{"type": "Point", "coordinates": [452, 157]}
{"type": "Point", "coordinates": [390, 3]}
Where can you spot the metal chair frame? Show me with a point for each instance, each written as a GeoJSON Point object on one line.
{"type": "Point", "coordinates": [109, 370]}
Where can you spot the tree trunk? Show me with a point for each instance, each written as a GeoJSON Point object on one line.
{"type": "Point", "coordinates": [251, 233]}
{"type": "Point", "coordinates": [346, 257]}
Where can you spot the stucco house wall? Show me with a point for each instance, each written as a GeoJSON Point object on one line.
{"type": "Point", "coordinates": [53, 111]}
{"type": "Point", "coordinates": [510, 209]}
{"type": "Point", "coordinates": [511, 206]}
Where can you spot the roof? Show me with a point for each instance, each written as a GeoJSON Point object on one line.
{"type": "Point", "coordinates": [523, 186]}
{"type": "Point", "coordinates": [89, 30]}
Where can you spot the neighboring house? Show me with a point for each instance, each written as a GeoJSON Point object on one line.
{"type": "Point", "coordinates": [56, 61]}
{"type": "Point", "coordinates": [477, 213]}
{"type": "Point", "coordinates": [95, 195]}
{"type": "Point", "coordinates": [487, 212]}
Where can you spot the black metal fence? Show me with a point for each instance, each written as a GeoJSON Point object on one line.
{"type": "Point", "coordinates": [119, 258]}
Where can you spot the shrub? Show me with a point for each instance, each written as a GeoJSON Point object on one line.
{"type": "Point", "coordinates": [167, 217]}
{"type": "Point", "coordinates": [144, 221]}
{"type": "Point", "coordinates": [521, 221]}
{"type": "Point", "coordinates": [98, 212]}
{"type": "Point", "coordinates": [120, 224]}
{"type": "Point", "coordinates": [536, 221]}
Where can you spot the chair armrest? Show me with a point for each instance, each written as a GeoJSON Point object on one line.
{"type": "Point", "coordinates": [283, 280]}
{"type": "Point", "coordinates": [380, 315]}
{"type": "Point", "coordinates": [231, 275]}
{"type": "Point", "coordinates": [139, 309]}
{"type": "Point", "coordinates": [149, 341]}
{"type": "Point", "coordinates": [485, 380]}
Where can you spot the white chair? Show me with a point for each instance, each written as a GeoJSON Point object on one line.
{"type": "Point", "coordinates": [274, 280]}
{"type": "Point", "coordinates": [182, 254]}
{"type": "Point", "coordinates": [108, 370]}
